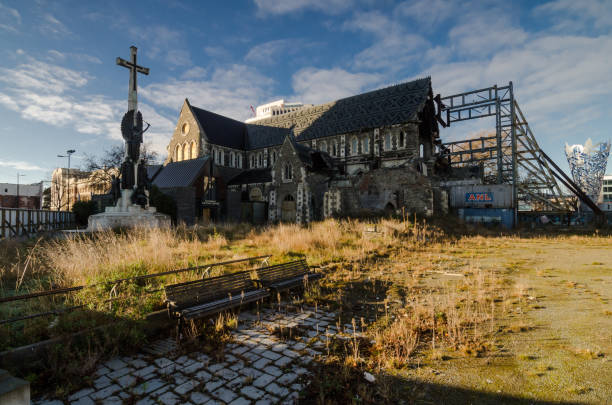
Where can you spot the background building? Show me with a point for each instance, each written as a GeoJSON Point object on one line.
{"type": "Point", "coordinates": [605, 198]}
{"type": "Point", "coordinates": [275, 108]}
{"type": "Point", "coordinates": [21, 195]}
{"type": "Point", "coordinates": [77, 185]}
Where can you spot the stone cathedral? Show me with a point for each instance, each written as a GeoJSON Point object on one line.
{"type": "Point", "coordinates": [369, 154]}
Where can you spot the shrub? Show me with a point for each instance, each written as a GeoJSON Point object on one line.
{"type": "Point", "coordinates": [82, 210]}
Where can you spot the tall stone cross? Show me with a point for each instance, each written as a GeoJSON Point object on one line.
{"type": "Point", "coordinates": [134, 70]}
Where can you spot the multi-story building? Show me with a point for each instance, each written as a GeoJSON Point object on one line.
{"type": "Point", "coordinates": [275, 108]}
{"type": "Point", "coordinates": [71, 185]}
{"type": "Point", "coordinates": [605, 197]}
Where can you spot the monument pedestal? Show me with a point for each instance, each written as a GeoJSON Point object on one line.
{"type": "Point", "coordinates": [127, 215]}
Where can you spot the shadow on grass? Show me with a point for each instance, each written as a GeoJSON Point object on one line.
{"type": "Point", "coordinates": [340, 384]}
{"type": "Point", "coordinates": [68, 358]}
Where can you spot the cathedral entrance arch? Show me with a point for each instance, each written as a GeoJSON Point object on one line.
{"type": "Point", "coordinates": [288, 211]}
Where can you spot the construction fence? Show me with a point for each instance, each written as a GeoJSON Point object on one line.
{"type": "Point", "coordinates": [16, 222]}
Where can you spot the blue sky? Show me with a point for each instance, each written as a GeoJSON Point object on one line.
{"type": "Point", "coordinates": [60, 87]}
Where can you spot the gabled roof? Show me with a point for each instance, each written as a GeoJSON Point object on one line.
{"type": "Point", "coordinates": [152, 171]}
{"type": "Point", "coordinates": [263, 136]}
{"type": "Point", "coordinates": [384, 107]}
{"type": "Point", "coordinates": [221, 130]}
{"type": "Point", "coordinates": [181, 174]}
{"type": "Point", "coordinates": [252, 176]}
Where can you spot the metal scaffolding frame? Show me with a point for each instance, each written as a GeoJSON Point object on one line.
{"type": "Point", "coordinates": [513, 153]}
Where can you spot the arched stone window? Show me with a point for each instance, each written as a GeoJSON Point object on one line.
{"type": "Point", "coordinates": [194, 150]}
{"type": "Point", "coordinates": [387, 141]}
{"type": "Point", "coordinates": [239, 161]}
{"type": "Point", "coordinates": [179, 156]}
{"type": "Point", "coordinates": [260, 159]}
{"type": "Point", "coordinates": [273, 157]}
{"type": "Point", "coordinates": [323, 146]}
{"type": "Point", "coordinates": [334, 149]}
{"type": "Point", "coordinates": [232, 161]}
{"type": "Point", "coordinates": [394, 144]}
{"type": "Point", "coordinates": [288, 172]}
{"type": "Point", "coordinates": [176, 153]}
{"type": "Point", "coordinates": [402, 139]}
{"type": "Point", "coordinates": [366, 145]}
{"type": "Point", "coordinates": [354, 146]}
{"type": "Point", "coordinates": [252, 161]}
{"type": "Point", "coordinates": [185, 152]}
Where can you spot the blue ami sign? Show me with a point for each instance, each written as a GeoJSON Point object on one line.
{"type": "Point", "coordinates": [486, 196]}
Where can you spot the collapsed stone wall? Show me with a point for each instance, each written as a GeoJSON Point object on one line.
{"type": "Point", "coordinates": [379, 191]}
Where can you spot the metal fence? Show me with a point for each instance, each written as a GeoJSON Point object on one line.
{"type": "Point", "coordinates": [23, 222]}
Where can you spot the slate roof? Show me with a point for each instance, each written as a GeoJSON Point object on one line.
{"type": "Point", "coordinates": [303, 152]}
{"type": "Point", "coordinates": [152, 171]}
{"type": "Point", "coordinates": [221, 130]}
{"type": "Point", "coordinates": [252, 176]}
{"type": "Point", "coordinates": [181, 174]}
{"type": "Point", "coordinates": [388, 106]}
{"type": "Point", "coordinates": [383, 107]}
{"type": "Point", "coordinates": [263, 136]}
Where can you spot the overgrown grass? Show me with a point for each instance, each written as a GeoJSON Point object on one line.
{"type": "Point", "coordinates": [417, 289]}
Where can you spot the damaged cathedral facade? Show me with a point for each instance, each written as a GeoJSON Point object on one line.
{"type": "Point", "coordinates": [369, 154]}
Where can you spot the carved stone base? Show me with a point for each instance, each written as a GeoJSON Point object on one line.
{"type": "Point", "coordinates": [128, 215]}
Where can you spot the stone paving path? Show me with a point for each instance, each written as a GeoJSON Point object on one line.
{"type": "Point", "coordinates": [258, 368]}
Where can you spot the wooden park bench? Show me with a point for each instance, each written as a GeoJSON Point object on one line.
{"type": "Point", "coordinates": [285, 276]}
{"type": "Point", "coordinates": [200, 298]}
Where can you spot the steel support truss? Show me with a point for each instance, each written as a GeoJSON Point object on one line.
{"type": "Point", "coordinates": [512, 156]}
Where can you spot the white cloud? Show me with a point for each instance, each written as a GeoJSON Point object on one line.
{"type": "Point", "coordinates": [269, 52]}
{"type": "Point", "coordinates": [477, 35]}
{"type": "Point", "coordinates": [52, 26]}
{"type": "Point", "coordinates": [574, 16]}
{"type": "Point", "coordinates": [20, 165]}
{"type": "Point", "coordinates": [195, 72]}
{"type": "Point", "coordinates": [316, 86]}
{"type": "Point", "coordinates": [10, 19]}
{"type": "Point", "coordinates": [178, 57]}
{"type": "Point", "coordinates": [426, 13]}
{"type": "Point", "coordinates": [44, 92]}
{"type": "Point", "coordinates": [227, 91]}
{"type": "Point", "coordinates": [277, 7]}
{"type": "Point", "coordinates": [217, 52]}
{"type": "Point", "coordinates": [56, 55]}
{"type": "Point", "coordinates": [163, 43]}
{"type": "Point", "coordinates": [43, 77]}
{"type": "Point", "coordinates": [393, 49]}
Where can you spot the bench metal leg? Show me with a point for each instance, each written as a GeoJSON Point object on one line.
{"type": "Point", "coordinates": [179, 330]}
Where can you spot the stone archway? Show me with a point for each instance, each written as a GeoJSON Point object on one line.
{"type": "Point", "coordinates": [288, 209]}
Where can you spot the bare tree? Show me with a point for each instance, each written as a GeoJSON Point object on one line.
{"type": "Point", "coordinates": [107, 165]}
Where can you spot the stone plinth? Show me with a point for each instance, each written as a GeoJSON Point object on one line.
{"type": "Point", "coordinates": [128, 215]}
{"type": "Point", "coordinates": [13, 391]}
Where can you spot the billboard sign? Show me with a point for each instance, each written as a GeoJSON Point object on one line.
{"type": "Point", "coordinates": [485, 197]}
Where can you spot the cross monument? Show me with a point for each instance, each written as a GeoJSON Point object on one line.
{"type": "Point", "coordinates": [133, 170]}
{"type": "Point", "coordinates": [134, 70]}
{"type": "Point", "coordinates": [131, 197]}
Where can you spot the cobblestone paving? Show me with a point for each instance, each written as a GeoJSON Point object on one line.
{"type": "Point", "coordinates": [258, 368]}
